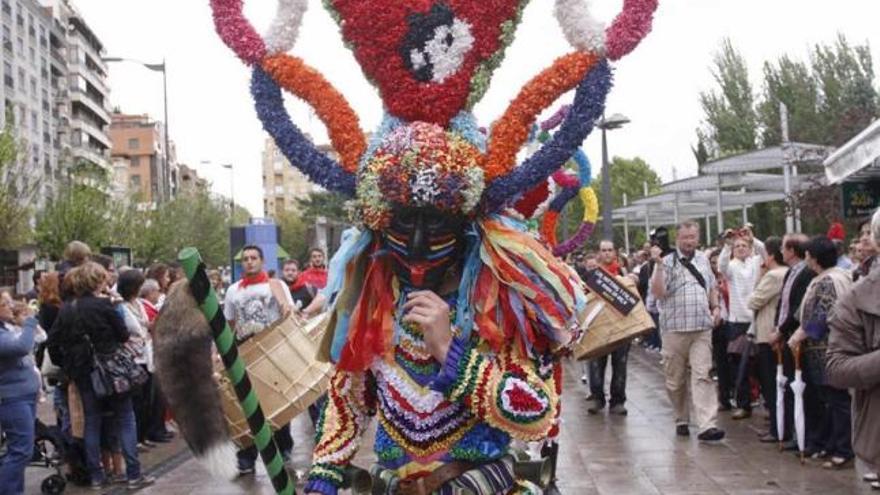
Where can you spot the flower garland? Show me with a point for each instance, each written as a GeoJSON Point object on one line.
{"type": "Point", "coordinates": [284, 30]}
{"type": "Point", "coordinates": [512, 130]}
{"type": "Point", "coordinates": [588, 105]}
{"type": "Point", "coordinates": [586, 33]}
{"type": "Point", "coordinates": [239, 34]}
{"type": "Point", "coordinates": [318, 167]}
{"type": "Point", "coordinates": [630, 27]}
{"type": "Point", "coordinates": [583, 31]}
{"type": "Point", "coordinates": [430, 63]}
{"type": "Point", "coordinates": [419, 164]}
{"type": "Point", "coordinates": [294, 75]}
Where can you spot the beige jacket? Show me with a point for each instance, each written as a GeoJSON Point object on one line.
{"type": "Point", "coordinates": [764, 300]}
{"type": "Point", "coordinates": [854, 361]}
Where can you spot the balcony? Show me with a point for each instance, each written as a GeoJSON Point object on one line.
{"type": "Point", "coordinates": [88, 100]}
{"type": "Point", "coordinates": [93, 156]}
{"type": "Point", "coordinates": [90, 75]}
{"type": "Point", "coordinates": [58, 59]}
{"type": "Point", "coordinates": [91, 130]}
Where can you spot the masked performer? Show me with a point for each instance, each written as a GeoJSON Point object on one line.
{"type": "Point", "coordinates": [447, 318]}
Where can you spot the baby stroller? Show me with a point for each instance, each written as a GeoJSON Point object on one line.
{"type": "Point", "coordinates": [49, 453]}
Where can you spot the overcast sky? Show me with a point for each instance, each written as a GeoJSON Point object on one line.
{"type": "Point", "coordinates": [212, 116]}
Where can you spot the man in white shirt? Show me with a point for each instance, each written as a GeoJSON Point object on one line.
{"type": "Point", "coordinates": [251, 305]}
{"type": "Point", "coordinates": [742, 271]}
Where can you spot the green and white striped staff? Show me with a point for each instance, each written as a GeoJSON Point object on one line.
{"type": "Point", "coordinates": [224, 338]}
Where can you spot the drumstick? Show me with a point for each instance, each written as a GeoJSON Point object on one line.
{"type": "Point", "coordinates": [224, 338]}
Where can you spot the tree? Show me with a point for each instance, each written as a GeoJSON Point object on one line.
{"type": "Point", "coordinates": [830, 98]}
{"type": "Point", "coordinates": [730, 118]}
{"type": "Point", "coordinates": [17, 190]}
{"type": "Point", "coordinates": [81, 210]}
{"type": "Point", "coordinates": [845, 75]}
{"type": "Point", "coordinates": [330, 205]}
{"type": "Point", "coordinates": [792, 83]}
{"type": "Point", "coordinates": [190, 219]}
{"type": "Point", "coordinates": [294, 235]}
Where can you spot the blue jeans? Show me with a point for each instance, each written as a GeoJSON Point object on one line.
{"type": "Point", "coordinates": [17, 419]}
{"type": "Point", "coordinates": [123, 413]}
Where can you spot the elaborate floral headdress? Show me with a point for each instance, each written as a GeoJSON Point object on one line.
{"type": "Point", "coordinates": [432, 61]}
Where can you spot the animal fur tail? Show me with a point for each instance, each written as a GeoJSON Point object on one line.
{"type": "Point", "coordinates": [183, 343]}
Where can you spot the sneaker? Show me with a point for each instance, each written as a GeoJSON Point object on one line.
{"type": "Point", "coordinates": [141, 482]}
{"type": "Point", "coordinates": [596, 407]}
{"type": "Point", "coordinates": [871, 477]}
{"type": "Point", "coordinates": [682, 430]}
{"type": "Point", "coordinates": [118, 479]}
{"type": "Point", "coordinates": [246, 470]}
{"type": "Point", "coordinates": [741, 414]}
{"type": "Point", "coordinates": [584, 379]}
{"type": "Point", "coordinates": [99, 486]}
{"type": "Point", "coordinates": [711, 435]}
{"type": "Point", "coordinates": [725, 406]}
{"type": "Point", "coordinates": [618, 409]}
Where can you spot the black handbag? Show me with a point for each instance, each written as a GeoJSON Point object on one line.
{"type": "Point", "coordinates": [115, 372]}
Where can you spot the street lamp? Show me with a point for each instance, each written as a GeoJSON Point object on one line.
{"type": "Point", "coordinates": [166, 167]}
{"type": "Point", "coordinates": [615, 121]}
{"type": "Point", "coordinates": [231, 190]}
{"type": "Point", "coordinates": [231, 169]}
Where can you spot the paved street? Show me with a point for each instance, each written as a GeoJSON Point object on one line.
{"type": "Point", "coordinates": [637, 454]}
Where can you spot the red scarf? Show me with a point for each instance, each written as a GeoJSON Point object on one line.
{"type": "Point", "coordinates": [613, 268]}
{"type": "Point", "coordinates": [260, 278]}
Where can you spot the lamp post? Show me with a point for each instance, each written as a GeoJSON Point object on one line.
{"type": "Point", "coordinates": [231, 190]}
{"type": "Point", "coordinates": [166, 166]}
{"type": "Point", "coordinates": [615, 121]}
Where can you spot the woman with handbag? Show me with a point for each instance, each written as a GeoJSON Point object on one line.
{"type": "Point", "coordinates": [129, 287]}
{"type": "Point", "coordinates": [87, 340]}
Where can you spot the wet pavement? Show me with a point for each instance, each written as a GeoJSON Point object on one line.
{"type": "Point", "coordinates": [602, 454]}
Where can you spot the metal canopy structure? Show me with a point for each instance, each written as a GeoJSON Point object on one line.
{"type": "Point", "coordinates": [857, 160]}
{"type": "Point", "coordinates": [733, 183]}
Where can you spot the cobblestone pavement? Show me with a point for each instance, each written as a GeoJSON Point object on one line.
{"type": "Point", "coordinates": [603, 454]}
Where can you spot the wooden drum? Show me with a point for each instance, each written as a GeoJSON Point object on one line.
{"type": "Point", "coordinates": [285, 373]}
{"type": "Point", "coordinates": [608, 328]}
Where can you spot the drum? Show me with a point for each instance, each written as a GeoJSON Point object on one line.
{"type": "Point", "coordinates": [284, 371]}
{"type": "Point", "coordinates": [607, 328]}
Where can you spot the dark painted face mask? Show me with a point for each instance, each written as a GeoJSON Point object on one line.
{"type": "Point", "coordinates": [424, 244]}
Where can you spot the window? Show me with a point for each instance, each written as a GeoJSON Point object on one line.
{"type": "Point", "coordinates": [21, 80]}
{"type": "Point", "coordinates": [35, 121]}
{"type": "Point", "coordinates": [135, 181]}
{"type": "Point", "coordinates": [134, 143]}
{"type": "Point", "coordinates": [7, 8]}
{"type": "Point", "coordinates": [7, 39]}
{"type": "Point", "coordinates": [135, 161]}
{"type": "Point", "coordinates": [34, 88]}
{"type": "Point", "coordinates": [7, 75]}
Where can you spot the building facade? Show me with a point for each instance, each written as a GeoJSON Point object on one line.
{"type": "Point", "coordinates": [28, 93]}
{"type": "Point", "coordinates": [189, 180]}
{"type": "Point", "coordinates": [137, 140]}
{"type": "Point", "coordinates": [283, 184]}
{"type": "Point", "coordinates": [83, 102]}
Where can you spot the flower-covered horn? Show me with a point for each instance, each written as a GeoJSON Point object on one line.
{"type": "Point", "coordinates": [587, 69]}
{"type": "Point", "coordinates": [274, 70]}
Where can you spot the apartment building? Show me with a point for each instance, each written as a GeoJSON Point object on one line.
{"type": "Point", "coordinates": [282, 183]}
